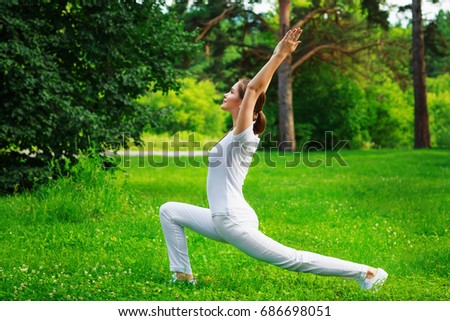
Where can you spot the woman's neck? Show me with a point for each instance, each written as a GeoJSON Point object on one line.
{"type": "Point", "coordinates": [234, 117]}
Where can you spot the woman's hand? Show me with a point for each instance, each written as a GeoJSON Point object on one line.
{"type": "Point", "coordinates": [289, 43]}
{"type": "Point", "coordinates": [261, 81]}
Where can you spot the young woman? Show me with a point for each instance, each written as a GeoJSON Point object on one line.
{"type": "Point", "coordinates": [230, 218]}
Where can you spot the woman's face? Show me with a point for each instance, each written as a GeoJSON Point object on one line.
{"type": "Point", "coordinates": [231, 100]}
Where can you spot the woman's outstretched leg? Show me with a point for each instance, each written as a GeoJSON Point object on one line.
{"type": "Point", "coordinates": [174, 217]}
{"type": "Point", "coordinates": [241, 232]}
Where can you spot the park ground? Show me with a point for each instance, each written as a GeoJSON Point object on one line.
{"type": "Point", "coordinates": [96, 237]}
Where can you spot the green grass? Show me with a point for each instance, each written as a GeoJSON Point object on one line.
{"type": "Point", "coordinates": [98, 238]}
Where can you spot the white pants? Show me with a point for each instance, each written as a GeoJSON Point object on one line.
{"type": "Point", "coordinates": [241, 230]}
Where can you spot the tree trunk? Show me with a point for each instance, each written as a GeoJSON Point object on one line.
{"type": "Point", "coordinates": [421, 129]}
{"type": "Point", "coordinates": [285, 109]}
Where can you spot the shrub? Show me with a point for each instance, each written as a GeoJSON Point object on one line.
{"type": "Point", "coordinates": [70, 72]}
{"type": "Point", "coordinates": [439, 110]}
{"type": "Point", "coordinates": [195, 108]}
{"type": "Point", "coordinates": [87, 192]}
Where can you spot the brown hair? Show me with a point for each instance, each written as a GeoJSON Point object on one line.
{"type": "Point", "coordinates": [258, 116]}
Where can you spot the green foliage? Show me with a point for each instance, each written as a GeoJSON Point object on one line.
{"type": "Point", "coordinates": [327, 100]}
{"type": "Point", "coordinates": [437, 44]}
{"type": "Point", "coordinates": [70, 72]}
{"type": "Point", "coordinates": [390, 115]}
{"type": "Point", "coordinates": [233, 47]}
{"type": "Point", "coordinates": [397, 43]}
{"type": "Point", "coordinates": [343, 93]}
{"type": "Point", "coordinates": [365, 99]}
{"type": "Point", "coordinates": [374, 14]}
{"type": "Point", "coordinates": [438, 95]}
{"type": "Point", "coordinates": [195, 108]}
{"type": "Point", "coordinates": [375, 113]}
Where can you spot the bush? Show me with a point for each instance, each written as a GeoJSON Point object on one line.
{"type": "Point", "coordinates": [195, 108]}
{"type": "Point", "coordinates": [329, 101]}
{"type": "Point", "coordinates": [87, 192]}
{"type": "Point", "coordinates": [70, 73]}
{"type": "Point", "coordinates": [390, 115]}
{"type": "Point", "coordinates": [439, 110]}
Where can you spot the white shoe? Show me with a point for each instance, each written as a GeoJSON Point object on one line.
{"type": "Point", "coordinates": [374, 283]}
{"type": "Point", "coordinates": [175, 280]}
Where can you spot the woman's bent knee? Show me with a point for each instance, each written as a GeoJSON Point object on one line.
{"type": "Point", "coordinates": [167, 209]}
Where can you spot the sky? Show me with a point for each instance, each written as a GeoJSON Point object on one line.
{"type": "Point", "coordinates": [429, 10]}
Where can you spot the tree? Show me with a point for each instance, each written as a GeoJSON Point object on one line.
{"type": "Point", "coordinates": [70, 73]}
{"type": "Point", "coordinates": [421, 127]}
{"type": "Point", "coordinates": [437, 45]}
{"type": "Point", "coordinates": [285, 109]}
{"type": "Point", "coordinates": [328, 41]}
{"type": "Point", "coordinates": [336, 30]}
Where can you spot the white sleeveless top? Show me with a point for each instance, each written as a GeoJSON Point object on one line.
{"type": "Point", "coordinates": [228, 164]}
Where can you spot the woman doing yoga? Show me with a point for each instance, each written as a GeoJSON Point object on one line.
{"type": "Point", "coordinates": [230, 218]}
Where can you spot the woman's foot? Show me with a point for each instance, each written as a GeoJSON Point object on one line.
{"type": "Point", "coordinates": [182, 277]}
{"type": "Point", "coordinates": [371, 272]}
{"type": "Point", "coordinates": [374, 279]}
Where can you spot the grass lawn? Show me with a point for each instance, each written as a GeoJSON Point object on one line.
{"type": "Point", "coordinates": [97, 238]}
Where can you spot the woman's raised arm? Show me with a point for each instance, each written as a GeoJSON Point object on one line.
{"type": "Point", "coordinates": [261, 81]}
